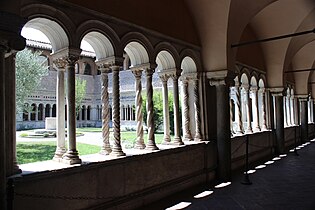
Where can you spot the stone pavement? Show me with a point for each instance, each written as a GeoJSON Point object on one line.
{"type": "Point", "coordinates": [287, 182]}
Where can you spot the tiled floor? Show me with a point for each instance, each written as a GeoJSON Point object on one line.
{"type": "Point", "coordinates": [288, 183]}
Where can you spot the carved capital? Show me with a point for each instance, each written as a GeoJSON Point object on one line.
{"type": "Point", "coordinates": [104, 68]}
{"type": "Point", "coordinates": [60, 63]}
{"type": "Point", "coordinates": [221, 81]}
{"type": "Point", "coordinates": [277, 91]}
{"type": "Point", "coordinates": [149, 72]}
{"type": "Point", "coordinates": [164, 77]}
{"type": "Point", "coordinates": [137, 73]}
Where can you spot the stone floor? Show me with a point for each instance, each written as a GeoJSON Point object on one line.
{"type": "Point", "coordinates": [286, 182]}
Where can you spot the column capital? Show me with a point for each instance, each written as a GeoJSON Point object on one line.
{"type": "Point", "coordinates": [253, 89]}
{"type": "Point", "coordinates": [277, 91]}
{"type": "Point", "coordinates": [137, 72]}
{"type": "Point", "coordinates": [103, 67]}
{"type": "Point", "coordinates": [149, 71]}
{"type": "Point", "coordinates": [302, 97]}
{"type": "Point", "coordinates": [262, 90]}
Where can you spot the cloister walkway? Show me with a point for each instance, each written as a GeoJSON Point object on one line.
{"type": "Point", "coordinates": [287, 183]}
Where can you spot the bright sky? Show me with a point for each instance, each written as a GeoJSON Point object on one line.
{"type": "Point", "coordinates": [34, 34]}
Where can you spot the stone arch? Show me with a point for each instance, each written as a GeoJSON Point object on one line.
{"type": "Point", "coordinates": [194, 56]}
{"type": "Point", "coordinates": [253, 81]}
{"type": "Point", "coordinates": [165, 61]}
{"type": "Point", "coordinates": [96, 32]}
{"type": "Point", "coordinates": [138, 48]}
{"type": "Point", "coordinates": [188, 65]}
{"type": "Point", "coordinates": [168, 47]}
{"type": "Point", "coordinates": [244, 79]}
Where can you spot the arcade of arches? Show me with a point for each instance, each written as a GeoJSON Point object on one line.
{"type": "Point", "coordinates": [228, 91]}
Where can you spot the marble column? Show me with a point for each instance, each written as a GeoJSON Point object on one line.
{"type": "Point", "coordinates": [238, 111]}
{"type": "Point", "coordinates": [263, 109]}
{"type": "Point", "coordinates": [304, 120]}
{"type": "Point", "coordinates": [288, 108]}
{"type": "Point", "coordinates": [292, 110]}
{"type": "Point", "coordinates": [285, 111]}
{"type": "Point", "coordinates": [106, 149]}
{"type": "Point", "coordinates": [198, 136]}
{"type": "Point", "coordinates": [72, 155]}
{"type": "Point", "coordinates": [177, 137]}
{"type": "Point", "coordinates": [248, 110]}
{"type": "Point", "coordinates": [255, 108]}
{"type": "Point", "coordinates": [279, 121]}
{"type": "Point", "coordinates": [36, 112]}
{"type": "Point", "coordinates": [231, 115]}
{"type": "Point", "coordinates": [85, 113]}
{"type": "Point", "coordinates": [116, 148]}
{"type": "Point", "coordinates": [187, 133]}
{"type": "Point", "coordinates": [138, 103]}
{"type": "Point", "coordinates": [166, 118]}
{"type": "Point", "coordinates": [223, 130]}
{"type": "Point", "coordinates": [50, 111]}
{"type": "Point", "coordinates": [60, 110]}
{"type": "Point", "coordinates": [151, 145]}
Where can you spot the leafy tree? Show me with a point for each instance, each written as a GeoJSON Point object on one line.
{"type": "Point", "coordinates": [30, 69]}
{"type": "Point", "coordinates": [80, 91]}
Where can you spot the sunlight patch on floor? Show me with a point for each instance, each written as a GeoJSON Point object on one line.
{"type": "Point", "coordinates": [204, 194]}
{"type": "Point", "coordinates": [180, 205]}
{"type": "Point", "coordinates": [224, 184]}
{"type": "Point", "coordinates": [260, 167]}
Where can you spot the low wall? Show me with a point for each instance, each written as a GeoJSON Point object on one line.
{"type": "Point", "coordinates": [126, 183]}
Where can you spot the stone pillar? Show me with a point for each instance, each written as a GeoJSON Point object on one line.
{"type": "Point", "coordinates": [106, 149]}
{"type": "Point", "coordinates": [36, 112]}
{"type": "Point", "coordinates": [166, 118]}
{"type": "Point", "coordinates": [72, 155]}
{"type": "Point", "coordinates": [231, 113]}
{"type": "Point", "coordinates": [28, 116]}
{"type": "Point", "coordinates": [279, 120]}
{"type": "Point", "coordinates": [60, 63]}
{"type": "Point", "coordinates": [198, 136]}
{"type": "Point", "coordinates": [285, 111]}
{"type": "Point", "coordinates": [263, 109]}
{"type": "Point", "coordinates": [116, 149]}
{"type": "Point", "coordinates": [292, 105]}
{"type": "Point", "coordinates": [50, 111]}
{"type": "Point", "coordinates": [255, 108]}
{"type": "Point", "coordinates": [151, 145]}
{"type": "Point", "coordinates": [187, 133]}
{"type": "Point", "coordinates": [247, 107]}
{"type": "Point", "coordinates": [138, 103]}
{"type": "Point", "coordinates": [311, 110]}
{"type": "Point", "coordinates": [85, 113]}
{"type": "Point", "coordinates": [177, 137]}
{"type": "Point", "coordinates": [287, 98]}
{"type": "Point", "coordinates": [304, 120]}
{"type": "Point", "coordinates": [223, 130]}
{"type": "Point", "coordinates": [10, 123]}
{"type": "Point", "coordinates": [238, 112]}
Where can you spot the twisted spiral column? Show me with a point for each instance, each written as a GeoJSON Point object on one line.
{"type": "Point", "coordinates": [239, 121]}
{"type": "Point", "coordinates": [187, 133]}
{"type": "Point", "coordinates": [116, 149]}
{"type": "Point", "coordinates": [167, 138]}
{"type": "Point", "coordinates": [139, 116]}
{"type": "Point", "coordinates": [106, 149]}
{"type": "Point", "coordinates": [177, 137]}
{"type": "Point", "coordinates": [151, 145]}
{"type": "Point", "coordinates": [198, 136]}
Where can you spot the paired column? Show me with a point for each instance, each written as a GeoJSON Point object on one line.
{"type": "Point", "coordinates": [138, 102]}
{"type": "Point", "coordinates": [116, 149]}
{"type": "Point", "coordinates": [247, 107]}
{"type": "Point", "coordinates": [304, 118]}
{"type": "Point", "coordinates": [60, 63]}
{"type": "Point", "coordinates": [238, 111]}
{"type": "Point", "coordinates": [255, 108]}
{"type": "Point", "coordinates": [288, 110]}
{"type": "Point", "coordinates": [151, 145]}
{"type": "Point", "coordinates": [72, 155]}
{"type": "Point", "coordinates": [279, 121]}
{"type": "Point", "coordinates": [263, 109]}
{"type": "Point", "coordinates": [198, 136]}
{"type": "Point", "coordinates": [292, 105]}
{"type": "Point", "coordinates": [177, 137]}
{"type": "Point", "coordinates": [106, 149]}
{"type": "Point", "coordinates": [166, 118]}
{"type": "Point", "coordinates": [187, 133]}
{"type": "Point", "coordinates": [36, 112]}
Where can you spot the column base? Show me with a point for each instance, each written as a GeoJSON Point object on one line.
{"type": "Point", "coordinates": [248, 132]}
{"type": "Point", "coordinates": [151, 145]}
{"type": "Point", "coordinates": [71, 157]}
{"type": "Point", "coordinates": [177, 141]}
{"type": "Point", "coordinates": [59, 154]}
{"type": "Point", "coordinates": [188, 138]}
{"type": "Point", "coordinates": [139, 145]}
{"type": "Point", "coordinates": [264, 128]}
{"type": "Point", "coordinates": [257, 129]}
{"type": "Point", "coordinates": [105, 152]}
{"type": "Point", "coordinates": [238, 133]}
{"type": "Point", "coordinates": [166, 141]}
{"type": "Point", "coordinates": [117, 153]}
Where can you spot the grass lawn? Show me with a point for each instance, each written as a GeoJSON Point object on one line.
{"type": "Point", "coordinates": [28, 152]}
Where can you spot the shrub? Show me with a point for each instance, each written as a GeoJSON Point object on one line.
{"type": "Point", "coordinates": [23, 135]}
{"type": "Point", "coordinates": [45, 135]}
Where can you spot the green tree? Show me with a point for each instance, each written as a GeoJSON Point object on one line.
{"type": "Point", "coordinates": [30, 69]}
{"type": "Point", "coordinates": [80, 91]}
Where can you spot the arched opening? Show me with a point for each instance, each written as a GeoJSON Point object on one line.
{"type": "Point", "coordinates": [33, 112]}
{"type": "Point", "coordinates": [47, 110]}
{"type": "Point", "coordinates": [88, 113]}
{"type": "Point", "coordinates": [40, 112]}
{"type": "Point", "coordinates": [54, 108]}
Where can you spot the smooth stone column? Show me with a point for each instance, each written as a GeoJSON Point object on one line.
{"type": "Point", "coordinates": [116, 149]}
{"type": "Point", "coordinates": [223, 131]}
{"type": "Point", "coordinates": [247, 106]}
{"type": "Point", "coordinates": [167, 138]}
{"type": "Point", "coordinates": [187, 133]}
{"type": "Point", "coordinates": [255, 109]}
{"type": "Point", "coordinates": [106, 149]}
{"type": "Point", "coordinates": [138, 102]}
{"type": "Point", "coordinates": [198, 136]}
{"type": "Point", "coordinates": [50, 111]}
{"type": "Point", "coordinates": [151, 145]}
{"type": "Point", "coordinates": [304, 120]}
{"type": "Point", "coordinates": [36, 112]}
{"type": "Point", "coordinates": [279, 122]}
{"type": "Point", "coordinates": [12, 167]}
{"type": "Point", "coordinates": [231, 114]}
{"type": "Point", "coordinates": [287, 98]}
{"type": "Point", "coordinates": [263, 109]}
{"type": "Point", "coordinates": [292, 105]}
{"type": "Point", "coordinates": [72, 155]}
{"type": "Point", "coordinates": [60, 109]}
{"type": "Point", "coordinates": [177, 137]}
{"type": "Point", "coordinates": [238, 117]}
{"type": "Point", "coordinates": [285, 111]}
